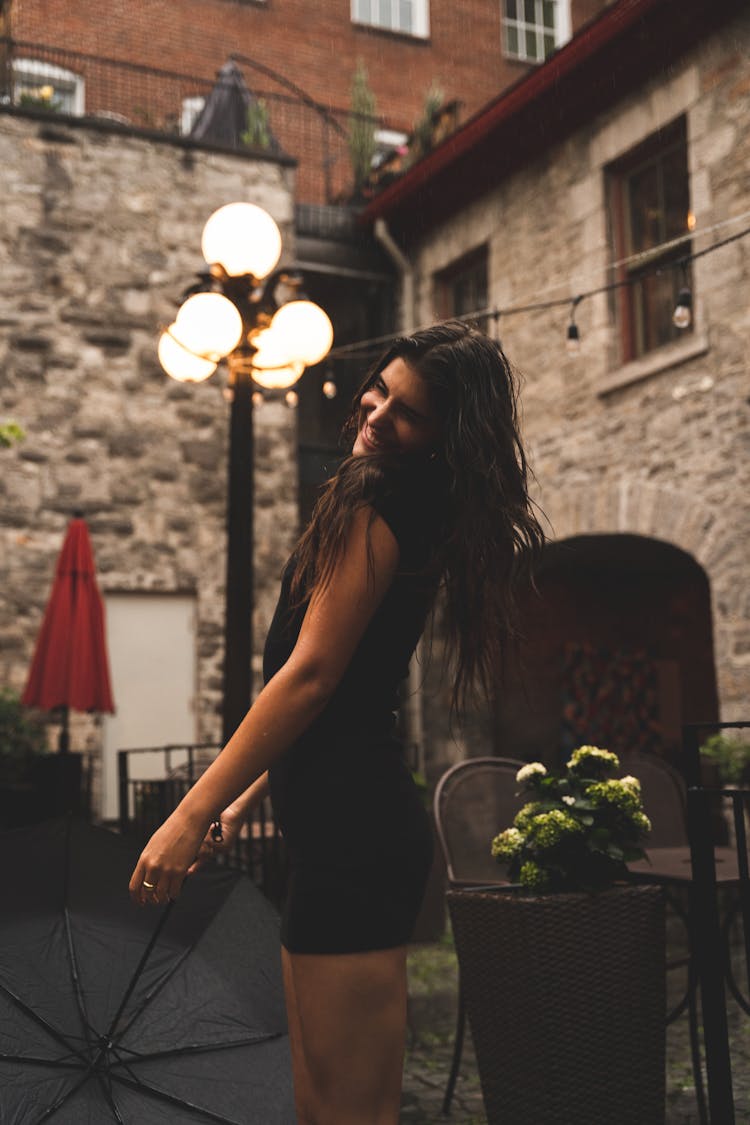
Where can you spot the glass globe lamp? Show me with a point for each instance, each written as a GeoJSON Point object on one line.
{"type": "Point", "coordinates": [242, 239]}
{"type": "Point", "coordinates": [306, 330]}
{"type": "Point", "coordinates": [180, 361]}
{"type": "Point", "coordinates": [209, 324]}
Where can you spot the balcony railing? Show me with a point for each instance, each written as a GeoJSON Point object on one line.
{"type": "Point", "coordinates": [148, 100]}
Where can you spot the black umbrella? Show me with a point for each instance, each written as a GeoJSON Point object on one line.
{"type": "Point", "coordinates": [109, 1012]}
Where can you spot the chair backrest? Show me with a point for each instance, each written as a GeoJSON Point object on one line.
{"type": "Point", "coordinates": [664, 798]}
{"type": "Point", "coordinates": [473, 801]}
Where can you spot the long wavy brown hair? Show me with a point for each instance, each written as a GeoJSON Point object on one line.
{"type": "Point", "coordinates": [488, 532]}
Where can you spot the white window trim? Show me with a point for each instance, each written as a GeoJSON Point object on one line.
{"type": "Point", "coordinates": [562, 30]}
{"type": "Point", "coordinates": [191, 110]}
{"type": "Point", "coordinates": [421, 24]}
{"type": "Point", "coordinates": [35, 68]}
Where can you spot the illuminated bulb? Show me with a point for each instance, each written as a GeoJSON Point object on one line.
{"type": "Point", "coordinates": [210, 325]}
{"type": "Point", "coordinates": [573, 340]}
{"type": "Point", "coordinates": [243, 239]}
{"type": "Point", "coordinates": [683, 313]}
{"type": "Point", "coordinates": [272, 365]}
{"type": "Point", "coordinates": [292, 398]}
{"type": "Point", "coordinates": [180, 362]}
{"type": "Point", "coordinates": [306, 330]}
{"type": "Point", "coordinates": [691, 221]}
{"type": "Point", "coordinates": [258, 399]}
{"type": "Point", "coordinates": [330, 390]}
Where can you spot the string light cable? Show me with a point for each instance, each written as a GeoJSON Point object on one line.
{"type": "Point", "coordinates": [350, 351]}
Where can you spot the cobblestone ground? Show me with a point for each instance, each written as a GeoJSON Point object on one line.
{"type": "Point", "coordinates": [432, 1014]}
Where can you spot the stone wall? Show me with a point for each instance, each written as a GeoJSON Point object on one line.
{"type": "Point", "coordinates": [659, 447]}
{"type": "Point", "coordinates": [99, 235]}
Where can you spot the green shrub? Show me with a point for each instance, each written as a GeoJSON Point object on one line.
{"type": "Point", "coordinates": [22, 737]}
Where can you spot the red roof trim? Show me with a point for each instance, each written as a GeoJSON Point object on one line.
{"type": "Point", "coordinates": [601, 33]}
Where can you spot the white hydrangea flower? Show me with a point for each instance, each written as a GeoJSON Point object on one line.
{"type": "Point", "coordinates": [631, 782]}
{"type": "Point", "coordinates": [527, 772]}
{"type": "Point", "coordinates": [569, 800]}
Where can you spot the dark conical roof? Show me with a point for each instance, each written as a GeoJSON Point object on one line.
{"type": "Point", "coordinates": [224, 117]}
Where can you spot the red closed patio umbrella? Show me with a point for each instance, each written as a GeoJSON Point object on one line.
{"type": "Point", "coordinates": [70, 666]}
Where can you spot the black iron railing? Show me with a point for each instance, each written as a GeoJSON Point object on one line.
{"type": "Point", "coordinates": [710, 920]}
{"type": "Point", "coordinates": [153, 781]}
{"type": "Point", "coordinates": [285, 120]}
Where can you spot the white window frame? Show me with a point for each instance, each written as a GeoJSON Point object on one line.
{"type": "Point", "coordinates": [34, 72]}
{"type": "Point", "coordinates": [192, 108]}
{"type": "Point", "coordinates": [370, 13]}
{"type": "Point", "coordinates": [561, 29]}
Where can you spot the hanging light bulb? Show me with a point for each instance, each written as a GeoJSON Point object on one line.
{"type": "Point", "coordinates": [243, 239]}
{"type": "Point", "coordinates": [573, 338]}
{"type": "Point", "coordinates": [210, 325]}
{"type": "Point", "coordinates": [330, 390]}
{"type": "Point", "coordinates": [180, 361]}
{"type": "Point", "coordinates": [306, 330]}
{"type": "Point", "coordinates": [292, 398]}
{"type": "Point", "coordinates": [682, 316]}
{"type": "Point", "coordinates": [258, 399]}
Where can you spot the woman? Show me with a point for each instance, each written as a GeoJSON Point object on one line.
{"type": "Point", "coordinates": [434, 494]}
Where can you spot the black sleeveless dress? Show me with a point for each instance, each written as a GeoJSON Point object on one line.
{"type": "Point", "coordinates": [358, 837]}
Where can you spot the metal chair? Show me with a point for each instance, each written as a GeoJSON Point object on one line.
{"type": "Point", "coordinates": [473, 801]}
{"type": "Point", "coordinates": [664, 798]}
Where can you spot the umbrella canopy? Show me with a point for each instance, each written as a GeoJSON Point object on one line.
{"type": "Point", "coordinates": [70, 666]}
{"type": "Point", "coordinates": [111, 1013]}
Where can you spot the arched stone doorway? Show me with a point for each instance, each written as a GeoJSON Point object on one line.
{"type": "Point", "coordinates": [617, 650]}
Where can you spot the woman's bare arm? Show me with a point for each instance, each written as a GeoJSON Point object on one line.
{"type": "Point", "coordinates": [334, 623]}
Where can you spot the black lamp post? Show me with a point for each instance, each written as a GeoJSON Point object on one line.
{"type": "Point", "coordinates": [233, 313]}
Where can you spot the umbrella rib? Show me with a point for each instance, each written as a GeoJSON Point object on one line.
{"type": "Point", "coordinates": [144, 1087]}
{"type": "Point", "coordinates": [58, 1035]}
{"type": "Point", "coordinates": [51, 1109]}
{"type": "Point", "coordinates": [197, 1048]}
{"type": "Point", "coordinates": [155, 990]}
{"type": "Point", "coordinates": [80, 1000]}
{"type": "Point", "coordinates": [138, 970]}
{"type": "Point", "coordinates": [34, 1060]}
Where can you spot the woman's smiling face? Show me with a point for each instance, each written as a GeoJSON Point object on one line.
{"type": "Point", "coordinates": [396, 414]}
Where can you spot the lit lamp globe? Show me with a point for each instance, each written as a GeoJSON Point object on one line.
{"type": "Point", "coordinates": [306, 330]}
{"type": "Point", "coordinates": [243, 239]}
{"type": "Point", "coordinates": [180, 361]}
{"type": "Point", "coordinates": [209, 324]}
{"type": "Point", "coordinates": [273, 367]}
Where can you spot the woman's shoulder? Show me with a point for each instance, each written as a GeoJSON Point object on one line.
{"type": "Point", "coordinates": [402, 490]}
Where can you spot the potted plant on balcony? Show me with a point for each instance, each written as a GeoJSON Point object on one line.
{"type": "Point", "coordinates": [563, 972]}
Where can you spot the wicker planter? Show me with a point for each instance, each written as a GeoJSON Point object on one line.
{"type": "Point", "coordinates": [565, 996]}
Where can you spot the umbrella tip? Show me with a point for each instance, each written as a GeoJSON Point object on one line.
{"type": "Point", "coordinates": [78, 514]}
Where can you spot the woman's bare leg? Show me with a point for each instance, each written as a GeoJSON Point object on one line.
{"type": "Point", "coordinates": [299, 1065]}
{"type": "Point", "coordinates": [347, 1030]}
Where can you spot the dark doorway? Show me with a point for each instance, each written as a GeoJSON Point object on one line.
{"type": "Point", "coordinates": [617, 651]}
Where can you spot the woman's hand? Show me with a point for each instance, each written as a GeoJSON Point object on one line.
{"type": "Point", "coordinates": [166, 859]}
{"type": "Point", "coordinates": [232, 820]}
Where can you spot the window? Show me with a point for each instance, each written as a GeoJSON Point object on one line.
{"type": "Point", "coordinates": [532, 29]}
{"type": "Point", "coordinates": [40, 85]}
{"type": "Point", "coordinates": [461, 289]}
{"type": "Point", "coordinates": [649, 206]}
{"type": "Point", "coordinates": [191, 110]}
{"type": "Point", "coordinates": [411, 17]}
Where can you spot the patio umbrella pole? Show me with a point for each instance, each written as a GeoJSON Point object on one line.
{"type": "Point", "coordinates": [63, 744]}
